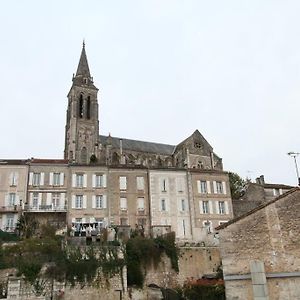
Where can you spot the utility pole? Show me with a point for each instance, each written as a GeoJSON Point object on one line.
{"type": "Point", "coordinates": [294, 155]}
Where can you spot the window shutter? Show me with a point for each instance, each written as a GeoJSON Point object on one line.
{"type": "Point", "coordinates": [123, 183]}
{"type": "Point", "coordinates": [226, 207]}
{"type": "Point", "coordinates": [11, 178]}
{"type": "Point", "coordinates": [85, 180]}
{"type": "Point", "coordinates": [104, 201]}
{"type": "Point", "coordinates": [51, 178]}
{"type": "Point", "coordinates": [49, 199]}
{"type": "Point", "coordinates": [104, 180]}
{"type": "Point", "coordinates": [93, 201]}
{"type": "Point", "coordinates": [40, 198]}
{"type": "Point", "coordinates": [210, 206]}
{"type": "Point", "coordinates": [280, 191]}
{"type": "Point", "coordinates": [42, 178]}
{"type": "Point", "coordinates": [83, 220]}
{"type": "Point", "coordinates": [208, 187]}
{"type": "Point", "coordinates": [73, 180]}
{"type": "Point", "coordinates": [94, 180]}
{"type": "Point", "coordinates": [199, 186]}
{"type": "Point", "coordinates": [92, 220]}
{"type": "Point", "coordinates": [140, 183]}
{"type": "Point", "coordinates": [73, 201]}
{"type": "Point", "coordinates": [17, 199]}
{"type": "Point", "coordinates": [224, 187]}
{"type": "Point", "coordinates": [217, 207]}
{"type": "Point", "coordinates": [215, 187]}
{"type": "Point", "coordinates": [30, 178]}
{"type": "Point", "coordinates": [62, 199]}
{"type": "Point", "coordinates": [16, 178]}
{"type": "Point", "coordinates": [180, 187]}
{"type": "Point", "coordinates": [61, 179]}
{"type": "Point", "coordinates": [201, 207]}
{"type": "Point", "coordinates": [84, 201]}
{"type": "Point", "coordinates": [30, 199]}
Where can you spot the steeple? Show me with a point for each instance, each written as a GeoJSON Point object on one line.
{"type": "Point", "coordinates": [83, 66]}
{"type": "Point", "coordinates": [83, 75]}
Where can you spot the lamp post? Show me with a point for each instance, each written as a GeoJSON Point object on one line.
{"type": "Point", "coordinates": [294, 155]}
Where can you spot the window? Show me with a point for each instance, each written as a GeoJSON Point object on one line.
{"type": "Point", "coordinates": [100, 223]}
{"type": "Point", "coordinates": [36, 179]}
{"type": "Point", "coordinates": [56, 178]}
{"type": "Point", "coordinates": [203, 187]}
{"type": "Point", "coordinates": [141, 203]}
{"type": "Point", "coordinates": [12, 199]}
{"type": "Point", "coordinates": [180, 184]}
{"type": "Point", "coordinates": [208, 226]}
{"type": "Point", "coordinates": [123, 183]}
{"type": "Point", "coordinates": [99, 181]}
{"type": "Point", "coordinates": [9, 222]}
{"type": "Point", "coordinates": [99, 201]}
{"type": "Point", "coordinates": [205, 207]}
{"type": "Point", "coordinates": [79, 180]}
{"type": "Point", "coordinates": [79, 201]}
{"type": "Point", "coordinates": [35, 200]}
{"type": "Point", "coordinates": [13, 179]}
{"type": "Point", "coordinates": [164, 185]}
{"type": "Point", "coordinates": [183, 208]}
{"type": "Point", "coordinates": [163, 205]}
{"type": "Point", "coordinates": [222, 207]}
{"type": "Point", "coordinates": [219, 187]}
{"type": "Point", "coordinates": [140, 183]}
{"type": "Point", "coordinates": [141, 222]}
{"type": "Point", "coordinates": [123, 203]}
{"type": "Point", "coordinates": [78, 220]}
{"type": "Point", "coordinates": [55, 200]}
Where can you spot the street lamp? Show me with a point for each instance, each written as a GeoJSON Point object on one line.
{"type": "Point", "coordinates": [294, 155]}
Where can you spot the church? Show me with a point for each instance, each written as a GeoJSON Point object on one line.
{"type": "Point", "coordinates": [105, 181]}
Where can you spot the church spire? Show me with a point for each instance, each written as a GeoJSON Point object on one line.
{"type": "Point", "coordinates": [83, 66]}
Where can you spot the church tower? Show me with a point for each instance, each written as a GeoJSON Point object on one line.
{"type": "Point", "coordinates": [82, 127]}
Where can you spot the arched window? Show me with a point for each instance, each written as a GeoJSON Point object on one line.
{"type": "Point", "coordinates": [88, 108]}
{"type": "Point", "coordinates": [80, 110]}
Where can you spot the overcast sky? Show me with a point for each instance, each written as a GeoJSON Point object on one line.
{"type": "Point", "coordinates": [164, 68]}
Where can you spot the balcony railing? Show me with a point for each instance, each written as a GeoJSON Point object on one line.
{"type": "Point", "coordinates": [46, 208]}
{"type": "Point", "coordinates": [12, 208]}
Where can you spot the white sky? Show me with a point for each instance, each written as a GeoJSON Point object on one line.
{"type": "Point", "coordinates": [164, 68]}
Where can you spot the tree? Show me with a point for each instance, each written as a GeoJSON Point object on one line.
{"type": "Point", "coordinates": [26, 226]}
{"type": "Point", "coordinates": [237, 185]}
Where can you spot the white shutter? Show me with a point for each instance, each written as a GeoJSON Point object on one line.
{"type": "Point", "coordinates": [104, 180]}
{"type": "Point", "coordinates": [140, 183]}
{"type": "Point", "coordinates": [199, 186]}
{"type": "Point", "coordinates": [201, 207]}
{"type": "Point", "coordinates": [92, 220]}
{"type": "Point", "coordinates": [224, 187]}
{"type": "Point", "coordinates": [30, 178]}
{"type": "Point", "coordinates": [73, 201]}
{"type": "Point", "coordinates": [215, 187]}
{"type": "Point", "coordinates": [274, 192]}
{"type": "Point", "coordinates": [226, 208]}
{"type": "Point", "coordinates": [84, 201]}
{"type": "Point", "coordinates": [94, 180]}
{"type": "Point", "coordinates": [141, 203]}
{"type": "Point", "coordinates": [61, 178]}
{"type": "Point", "coordinates": [217, 207]}
{"type": "Point", "coordinates": [51, 178]}
{"type": "Point", "coordinates": [11, 178]}
{"type": "Point", "coordinates": [40, 198]}
{"type": "Point", "coordinates": [42, 178]}
{"type": "Point", "coordinates": [30, 199]}
{"type": "Point", "coordinates": [83, 220]}
{"type": "Point", "coordinates": [280, 191]}
{"type": "Point", "coordinates": [73, 180]}
{"type": "Point", "coordinates": [73, 220]}
{"type": "Point", "coordinates": [49, 199]}
{"type": "Point", "coordinates": [16, 178]}
{"type": "Point", "coordinates": [208, 187]}
{"type": "Point", "coordinates": [84, 180]}
{"type": "Point", "coordinates": [62, 199]}
{"type": "Point", "coordinates": [211, 210]}
{"type": "Point", "coordinates": [123, 183]}
{"type": "Point", "coordinates": [6, 199]}
{"type": "Point", "coordinates": [93, 201]}
{"type": "Point", "coordinates": [104, 201]}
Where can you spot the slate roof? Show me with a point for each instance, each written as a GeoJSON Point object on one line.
{"type": "Point", "coordinates": [13, 161]}
{"type": "Point", "coordinates": [139, 146]}
{"type": "Point", "coordinates": [294, 191]}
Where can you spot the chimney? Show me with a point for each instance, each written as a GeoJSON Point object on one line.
{"type": "Point", "coordinates": [262, 179]}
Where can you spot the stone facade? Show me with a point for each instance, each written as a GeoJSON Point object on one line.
{"type": "Point", "coordinates": [260, 251]}
{"type": "Point", "coordinates": [256, 194]}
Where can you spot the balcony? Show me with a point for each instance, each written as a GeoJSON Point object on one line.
{"type": "Point", "coordinates": [10, 209]}
{"type": "Point", "coordinates": [46, 208]}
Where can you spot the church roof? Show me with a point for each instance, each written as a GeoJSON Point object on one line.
{"type": "Point", "coordinates": [83, 66]}
{"type": "Point", "coordinates": [139, 146]}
